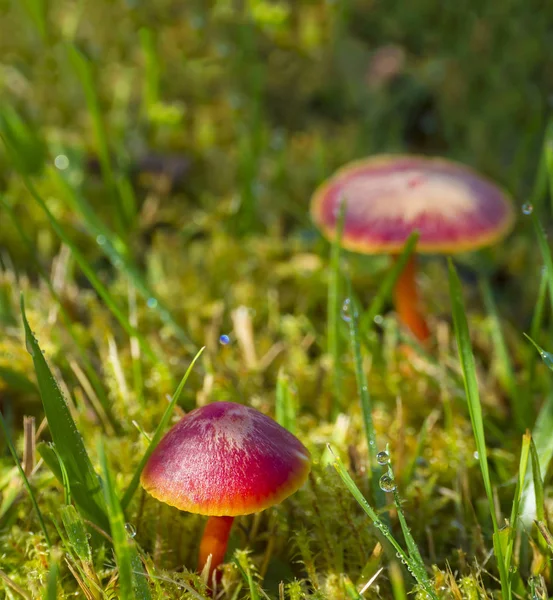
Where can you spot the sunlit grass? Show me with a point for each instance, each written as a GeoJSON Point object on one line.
{"type": "Point", "coordinates": [130, 263]}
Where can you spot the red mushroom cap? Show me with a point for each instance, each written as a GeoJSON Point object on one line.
{"type": "Point", "coordinates": [225, 459]}
{"type": "Point", "coordinates": [453, 208]}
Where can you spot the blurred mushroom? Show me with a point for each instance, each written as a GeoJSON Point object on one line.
{"type": "Point", "coordinates": [387, 198]}
{"type": "Point", "coordinates": [224, 460]}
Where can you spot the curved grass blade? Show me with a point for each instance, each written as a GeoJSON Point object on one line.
{"type": "Point", "coordinates": [25, 480]}
{"type": "Point", "coordinates": [88, 270]}
{"type": "Point", "coordinates": [364, 396]}
{"type": "Point", "coordinates": [127, 497]}
{"type": "Point", "coordinates": [85, 485]}
{"type": "Point", "coordinates": [133, 584]}
{"type": "Point", "coordinates": [466, 357]}
{"type": "Point", "coordinates": [515, 509]}
{"type": "Point", "coordinates": [116, 251]}
{"type": "Point", "coordinates": [89, 369]}
{"type": "Point", "coordinates": [542, 442]}
{"type": "Point", "coordinates": [420, 575]}
{"type": "Point", "coordinates": [412, 547]}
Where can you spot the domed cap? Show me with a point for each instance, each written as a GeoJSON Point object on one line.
{"type": "Point", "coordinates": [225, 459]}
{"type": "Point", "coordinates": [453, 208]}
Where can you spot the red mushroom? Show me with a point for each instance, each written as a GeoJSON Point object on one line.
{"type": "Point", "coordinates": [387, 198]}
{"type": "Point", "coordinates": [224, 460]}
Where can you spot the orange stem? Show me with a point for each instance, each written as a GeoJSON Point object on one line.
{"type": "Point", "coordinates": [406, 301]}
{"type": "Point", "coordinates": [214, 542]}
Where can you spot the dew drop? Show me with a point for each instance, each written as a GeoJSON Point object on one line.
{"type": "Point", "coordinates": [224, 340]}
{"type": "Point", "coordinates": [29, 345]}
{"type": "Point", "coordinates": [476, 455]}
{"type": "Point", "coordinates": [387, 484]}
{"type": "Point", "coordinates": [383, 458]}
{"type": "Point", "coordinates": [151, 303]}
{"type": "Point", "coordinates": [547, 358]}
{"type": "Point", "coordinates": [379, 319]}
{"type": "Point", "coordinates": [100, 240]}
{"type": "Point", "coordinates": [61, 162]}
{"type": "Point", "coordinates": [527, 208]}
{"type": "Point", "coordinates": [348, 310]}
{"type": "Point", "coordinates": [130, 529]}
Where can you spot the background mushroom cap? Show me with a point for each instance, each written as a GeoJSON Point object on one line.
{"type": "Point", "coordinates": [225, 459]}
{"type": "Point", "coordinates": [388, 197]}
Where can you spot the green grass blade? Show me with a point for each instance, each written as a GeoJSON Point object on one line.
{"type": "Point", "coordinates": [133, 584]}
{"type": "Point", "coordinates": [76, 532]}
{"type": "Point", "coordinates": [546, 534]}
{"type": "Point", "coordinates": [351, 316]}
{"type": "Point", "coordinates": [545, 252]}
{"type": "Point", "coordinates": [286, 406]}
{"type": "Point", "coordinates": [91, 372]}
{"type": "Point", "coordinates": [84, 72]}
{"type": "Point", "coordinates": [535, 328]}
{"type": "Point", "coordinates": [30, 148]}
{"type": "Point", "coordinates": [542, 442]}
{"type": "Point", "coordinates": [466, 357]}
{"type": "Point", "coordinates": [334, 309]}
{"type": "Point", "coordinates": [515, 509]}
{"type": "Point", "coordinates": [89, 272]}
{"type": "Point", "coordinates": [388, 283]}
{"type": "Point", "coordinates": [381, 526]}
{"type": "Point", "coordinates": [115, 249]}
{"type": "Point", "coordinates": [412, 548]}
{"type": "Point", "coordinates": [25, 480]}
{"type": "Point", "coordinates": [350, 589]}
{"type": "Point", "coordinates": [548, 158]}
{"type": "Point", "coordinates": [127, 497]}
{"type": "Point", "coordinates": [242, 563]}
{"type": "Point", "coordinates": [521, 412]}
{"type": "Point", "coordinates": [85, 485]}
{"type": "Point", "coordinates": [51, 589]}
{"type": "Point", "coordinates": [151, 68]}
{"type": "Point", "coordinates": [36, 10]}
{"type": "Point", "coordinates": [538, 482]}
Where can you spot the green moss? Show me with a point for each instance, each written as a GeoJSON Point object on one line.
{"type": "Point", "coordinates": [222, 122]}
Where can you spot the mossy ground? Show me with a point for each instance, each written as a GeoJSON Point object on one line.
{"type": "Point", "coordinates": [220, 119]}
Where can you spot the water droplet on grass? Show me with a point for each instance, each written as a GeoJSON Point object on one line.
{"type": "Point", "coordinates": [151, 303]}
{"type": "Point", "coordinates": [383, 458]}
{"type": "Point", "coordinates": [100, 240]}
{"type": "Point", "coordinates": [224, 340]}
{"type": "Point", "coordinates": [346, 310]}
{"type": "Point", "coordinates": [130, 529]}
{"type": "Point", "coordinates": [29, 345]}
{"type": "Point", "coordinates": [387, 484]}
{"type": "Point", "coordinates": [527, 208]}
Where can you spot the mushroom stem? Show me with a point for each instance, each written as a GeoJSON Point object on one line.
{"type": "Point", "coordinates": [214, 542]}
{"type": "Point", "coordinates": [406, 301]}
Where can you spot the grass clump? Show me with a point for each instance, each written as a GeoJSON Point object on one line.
{"type": "Point", "coordinates": [156, 162]}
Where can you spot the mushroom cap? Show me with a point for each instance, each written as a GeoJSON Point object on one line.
{"type": "Point", "coordinates": [388, 197]}
{"type": "Point", "coordinates": [226, 459]}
